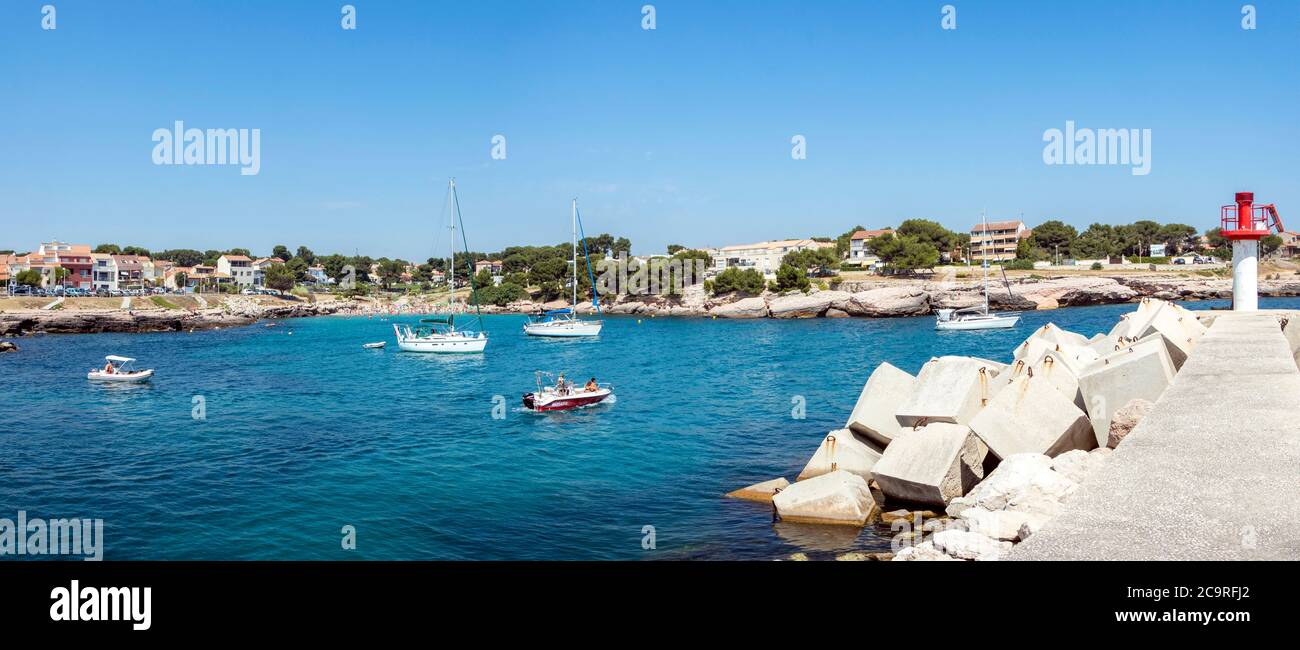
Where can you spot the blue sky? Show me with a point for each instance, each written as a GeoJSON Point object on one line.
{"type": "Point", "coordinates": [676, 135]}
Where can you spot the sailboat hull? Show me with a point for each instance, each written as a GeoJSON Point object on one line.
{"type": "Point", "coordinates": [564, 329]}
{"type": "Point", "coordinates": [978, 323]}
{"type": "Point", "coordinates": [440, 343]}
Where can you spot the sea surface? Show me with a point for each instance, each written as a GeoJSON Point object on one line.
{"type": "Point", "coordinates": [432, 457]}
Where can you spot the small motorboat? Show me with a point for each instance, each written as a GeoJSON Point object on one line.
{"type": "Point", "coordinates": [119, 369]}
{"type": "Point", "coordinates": [563, 395]}
{"type": "Point", "coordinates": [374, 346]}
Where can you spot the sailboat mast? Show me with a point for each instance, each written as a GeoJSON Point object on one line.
{"type": "Point", "coordinates": [573, 304]}
{"type": "Point", "coordinates": [451, 250]}
{"type": "Point", "coordinates": [984, 219]}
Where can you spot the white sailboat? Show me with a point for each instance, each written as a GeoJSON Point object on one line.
{"type": "Point", "coordinates": [977, 317]}
{"type": "Point", "coordinates": [565, 322]}
{"type": "Point", "coordinates": [440, 334]}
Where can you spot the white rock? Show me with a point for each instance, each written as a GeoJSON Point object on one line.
{"type": "Point", "coordinates": [842, 449]}
{"type": "Point", "coordinates": [873, 415]}
{"type": "Point", "coordinates": [931, 465]}
{"type": "Point", "coordinates": [923, 552]}
{"type": "Point", "coordinates": [966, 545]}
{"type": "Point", "coordinates": [1023, 482]}
{"type": "Point", "coordinates": [1001, 524]}
{"type": "Point", "coordinates": [948, 389]}
{"type": "Point", "coordinates": [1030, 415]}
{"type": "Point", "coordinates": [755, 307]}
{"type": "Point", "coordinates": [837, 498]}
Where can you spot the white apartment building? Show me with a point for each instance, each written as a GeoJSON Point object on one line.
{"type": "Point", "coordinates": [1000, 241]}
{"type": "Point", "coordinates": [103, 272]}
{"type": "Point", "coordinates": [764, 257]}
{"type": "Point", "coordinates": [238, 267]}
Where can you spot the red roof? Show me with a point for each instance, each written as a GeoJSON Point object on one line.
{"type": "Point", "coordinates": [870, 234]}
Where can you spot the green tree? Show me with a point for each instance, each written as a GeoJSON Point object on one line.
{"type": "Point", "coordinates": [281, 251]}
{"type": "Point", "coordinates": [30, 277]}
{"type": "Point", "coordinates": [1052, 236]}
{"type": "Point", "coordinates": [181, 256]}
{"type": "Point", "coordinates": [136, 250]}
{"type": "Point", "coordinates": [180, 279]}
{"type": "Point", "coordinates": [1098, 241]}
{"type": "Point", "coordinates": [108, 249]}
{"type": "Point", "coordinates": [673, 249]}
{"type": "Point", "coordinates": [924, 231]}
{"type": "Point", "coordinates": [788, 277]}
{"type": "Point", "coordinates": [390, 271]}
{"type": "Point", "coordinates": [732, 279]}
{"type": "Point", "coordinates": [1269, 244]}
{"type": "Point", "coordinates": [306, 255]}
{"type": "Point", "coordinates": [298, 267]}
{"type": "Point", "coordinates": [1178, 237]}
{"type": "Point", "coordinates": [904, 253]}
{"type": "Point", "coordinates": [280, 277]}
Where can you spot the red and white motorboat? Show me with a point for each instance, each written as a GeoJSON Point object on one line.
{"type": "Point", "coordinates": [562, 395]}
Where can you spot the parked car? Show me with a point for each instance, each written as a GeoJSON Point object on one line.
{"type": "Point", "coordinates": [22, 290]}
{"type": "Point", "coordinates": [1179, 260]}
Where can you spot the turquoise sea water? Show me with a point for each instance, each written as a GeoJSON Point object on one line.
{"type": "Point", "coordinates": [305, 432]}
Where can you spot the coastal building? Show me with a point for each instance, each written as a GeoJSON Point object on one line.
{"type": "Point", "coordinates": [764, 257]}
{"type": "Point", "coordinates": [130, 272]}
{"type": "Point", "coordinates": [859, 252]}
{"type": "Point", "coordinates": [996, 240]}
{"type": "Point", "coordinates": [103, 275]}
{"type": "Point", "coordinates": [239, 268]}
{"type": "Point", "coordinates": [1290, 244]}
{"type": "Point", "coordinates": [317, 274]}
{"type": "Point", "coordinates": [494, 266]}
{"type": "Point", "coordinates": [260, 265]}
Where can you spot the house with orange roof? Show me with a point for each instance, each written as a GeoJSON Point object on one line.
{"type": "Point", "coordinates": [859, 251]}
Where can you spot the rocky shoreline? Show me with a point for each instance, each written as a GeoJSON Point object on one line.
{"type": "Point", "coordinates": [95, 321]}
{"type": "Point", "coordinates": [863, 299]}
{"type": "Point", "coordinates": [896, 298]}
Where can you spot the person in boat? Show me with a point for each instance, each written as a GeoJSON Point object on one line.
{"type": "Point", "coordinates": [561, 386]}
{"type": "Point", "coordinates": [591, 386]}
{"type": "Point", "coordinates": [108, 368]}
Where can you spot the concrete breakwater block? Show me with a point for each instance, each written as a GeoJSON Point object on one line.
{"type": "Point", "coordinates": [839, 497]}
{"type": "Point", "coordinates": [1180, 333]}
{"type": "Point", "coordinates": [1142, 370]}
{"type": "Point", "coordinates": [1048, 337]}
{"type": "Point", "coordinates": [1051, 366]}
{"type": "Point", "coordinates": [873, 415]}
{"type": "Point", "coordinates": [1003, 525]}
{"type": "Point", "coordinates": [760, 492]}
{"type": "Point", "coordinates": [1030, 415]}
{"type": "Point", "coordinates": [948, 389]}
{"type": "Point", "coordinates": [932, 465]}
{"type": "Point", "coordinates": [842, 450]}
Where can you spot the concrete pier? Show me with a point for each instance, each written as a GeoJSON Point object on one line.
{"type": "Point", "coordinates": [1212, 473]}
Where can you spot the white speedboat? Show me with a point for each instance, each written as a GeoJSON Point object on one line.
{"type": "Point", "coordinates": [119, 369]}
{"type": "Point", "coordinates": [565, 322]}
{"type": "Point", "coordinates": [438, 335]}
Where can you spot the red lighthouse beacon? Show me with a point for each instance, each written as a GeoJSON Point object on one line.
{"type": "Point", "coordinates": [1245, 224]}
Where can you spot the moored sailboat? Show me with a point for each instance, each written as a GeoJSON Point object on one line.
{"type": "Point", "coordinates": [565, 322]}
{"type": "Point", "coordinates": [440, 334]}
{"type": "Point", "coordinates": [977, 317]}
